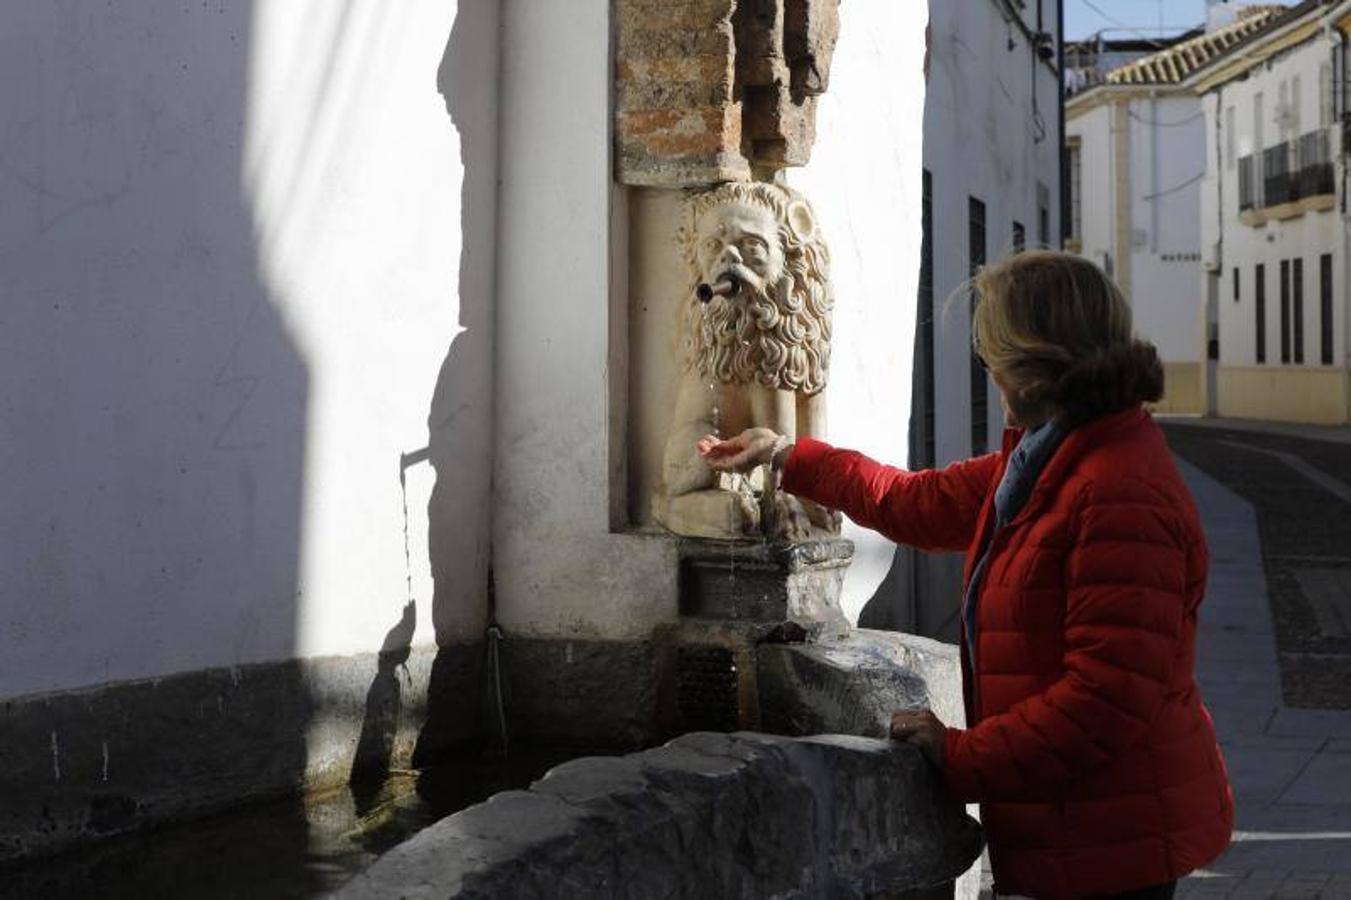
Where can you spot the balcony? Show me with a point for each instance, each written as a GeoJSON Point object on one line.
{"type": "Point", "coordinates": [1316, 171]}
{"type": "Point", "coordinates": [1287, 180]}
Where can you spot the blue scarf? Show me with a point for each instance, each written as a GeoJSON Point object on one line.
{"type": "Point", "coordinates": [1026, 463]}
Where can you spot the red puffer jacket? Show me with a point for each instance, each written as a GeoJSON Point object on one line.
{"type": "Point", "coordinates": [1091, 754]}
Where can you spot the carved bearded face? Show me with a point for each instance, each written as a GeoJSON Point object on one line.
{"type": "Point", "coordinates": [742, 241]}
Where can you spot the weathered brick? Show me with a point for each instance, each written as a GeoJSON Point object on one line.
{"type": "Point", "coordinates": [682, 132]}
{"type": "Point", "coordinates": [673, 83]}
{"type": "Point", "coordinates": [811, 30]}
{"type": "Point", "coordinates": [679, 68]}
{"type": "Point", "coordinates": [780, 131]}
{"type": "Point", "coordinates": [638, 15]}
{"type": "Point", "coordinates": [675, 42]}
{"type": "Point", "coordinates": [713, 69]}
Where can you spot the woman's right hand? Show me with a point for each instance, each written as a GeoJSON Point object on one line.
{"type": "Point", "coordinates": [753, 447]}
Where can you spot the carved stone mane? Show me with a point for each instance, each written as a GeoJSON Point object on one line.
{"type": "Point", "coordinates": [779, 337]}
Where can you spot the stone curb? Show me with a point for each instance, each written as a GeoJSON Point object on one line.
{"type": "Point", "coordinates": [706, 815]}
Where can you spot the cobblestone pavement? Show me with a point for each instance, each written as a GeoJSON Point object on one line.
{"type": "Point", "coordinates": [1273, 510]}
{"type": "Point", "coordinates": [1300, 489]}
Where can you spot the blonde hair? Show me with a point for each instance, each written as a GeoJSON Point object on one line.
{"type": "Point", "coordinates": [1057, 332]}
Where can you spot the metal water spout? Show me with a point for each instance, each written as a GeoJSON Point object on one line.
{"type": "Point", "coordinates": [727, 287]}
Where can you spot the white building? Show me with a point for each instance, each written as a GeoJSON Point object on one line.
{"type": "Point", "coordinates": [1136, 147]}
{"type": "Point", "coordinates": [1274, 220]}
{"type": "Point", "coordinates": [992, 175]}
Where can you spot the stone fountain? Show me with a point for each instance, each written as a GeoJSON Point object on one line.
{"type": "Point", "coordinates": [729, 327]}
{"type": "Point", "coordinates": [756, 354]}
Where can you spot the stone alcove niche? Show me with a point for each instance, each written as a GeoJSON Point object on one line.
{"type": "Point", "coordinates": [709, 93]}
{"type": "Point", "coordinates": [713, 100]}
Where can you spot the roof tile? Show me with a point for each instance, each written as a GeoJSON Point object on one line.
{"type": "Point", "coordinates": [1176, 63]}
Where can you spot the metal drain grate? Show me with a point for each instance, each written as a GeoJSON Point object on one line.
{"type": "Point", "coordinates": [706, 688]}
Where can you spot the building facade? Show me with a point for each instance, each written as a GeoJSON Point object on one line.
{"type": "Point", "coordinates": [1141, 137]}
{"type": "Point", "coordinates": [1274, 221]}
{"type": "Point", "coordinates": [992, 174]}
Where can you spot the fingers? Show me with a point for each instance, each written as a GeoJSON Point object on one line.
{"type": "Point", "coordinates": [731, 455]}
{"type": "Point", "coordinates": [908, 722]}
{"type": "Point", "coordinates": [738, 454]}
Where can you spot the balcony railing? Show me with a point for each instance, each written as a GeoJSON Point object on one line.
{"type": "Point", "coordinates": [1316, 173]}
{"type": "Point", "coordinates": [1281, 171]}
{"type": "Point", "coordinates": [1287, 172]}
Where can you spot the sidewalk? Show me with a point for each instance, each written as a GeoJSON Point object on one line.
{"type": "Point", "coordinates": [1290, 768]}
{"type": "Point", "coordinates": [1340, 434]}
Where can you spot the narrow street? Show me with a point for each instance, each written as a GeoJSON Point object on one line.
{"type": "Point", "coordinates": [1274, 657]}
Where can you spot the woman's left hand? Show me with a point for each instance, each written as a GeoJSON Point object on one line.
{"type": "Point", "coordinates": [753, 447]}
{"type": "Point", "coordinates": [921, 728]}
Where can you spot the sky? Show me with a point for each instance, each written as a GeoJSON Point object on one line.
{"type": "Point", "coordinates": [1081, 20]}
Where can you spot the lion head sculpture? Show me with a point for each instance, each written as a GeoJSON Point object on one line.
{"type": "Point", "coordinates": [775, 330]}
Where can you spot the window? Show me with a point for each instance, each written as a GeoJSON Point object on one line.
{"type": "Point", "coordinates": [1259, 144]}
{"type": "Point", "coordinates": [1230, 137]}
{"type": "Point", "coordinates": [1076, 192]}
{"type": "Point", "coordinates": [1282, 175]}
{"type": "Point", "coordinates": [1325, 101]}
{"type": "Point", "coordinates": [1284, 118]}
{"type": "Point", "coordinates": [1297, 308]}
{"type": "Point", "coordinates": [1247, 182]}
{"type": "Point", "coordinates": [1260, 285]}
{"type": "Point", "coordinates": [926, 451]}
{"type": "Point", "coordinates": [1285, 312]}
{"type": "Point", "coordinates": [1293, 114]}
{"type": "Point", "coordinates": [1019, 238]}
{"type": "Point", "coordinates": [1325, 307]}
{"type": "Point", "coordinates": [1340, 72]}
{"type": "Point", "coordinates": [1317, 174]}
{"type": "Point", "coordinates": [1237, 294]}
{"type": "Point", "coordinates": [1043, 215]}
{"type": "Point", "coordinates": [980, 391]}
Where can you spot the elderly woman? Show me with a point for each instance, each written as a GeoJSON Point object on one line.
{"type": "Point", "coordinates": [1087, 746]}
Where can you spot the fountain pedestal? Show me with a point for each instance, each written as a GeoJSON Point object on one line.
{"type": "Point", "coordinates": [736, 597]}
{"type": "Point", "coordinates": [767, 583]}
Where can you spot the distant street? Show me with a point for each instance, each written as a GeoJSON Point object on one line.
{"type": "Point", "coordinates": [1274, 655]}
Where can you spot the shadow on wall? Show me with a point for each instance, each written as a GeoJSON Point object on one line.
{"type": "Point", "coordinates": [460, 420]}
{"type": "Point", "coordinates": [154, 415]}
{"type": "Point", "coordinates": [154, 402]}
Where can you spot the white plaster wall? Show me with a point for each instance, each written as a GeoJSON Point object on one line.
{"type": "Point", "coordinates": [865, 181]}
{"type": "Point", "coordinates": [1168, 161]}
{"type": "Point", "coordinates": [1094, 129]}
{"type": "Point", "coordinates": [1166, 145]}
{"type": "Point", "coordinates": [1307, 236]}
{"type": "Point", "coordinates": [981, 140]}
{"type": "Point", "coordinates": [230, 238]}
